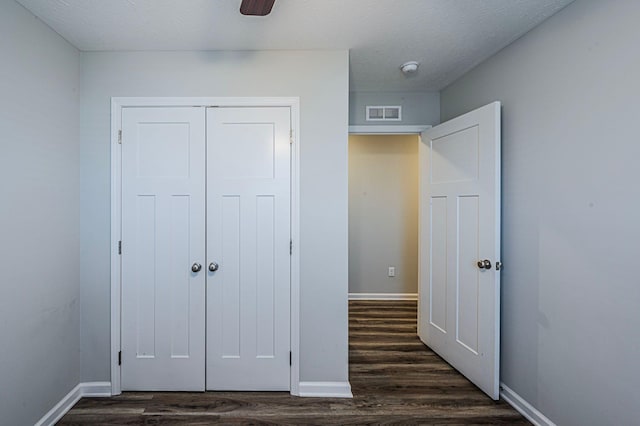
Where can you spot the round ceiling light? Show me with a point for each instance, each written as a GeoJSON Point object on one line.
{"type": "Point", "coordinates": [409, 67]}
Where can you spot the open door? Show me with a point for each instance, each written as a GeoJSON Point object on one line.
{"type": "Point", "coordinates": [459, 289]}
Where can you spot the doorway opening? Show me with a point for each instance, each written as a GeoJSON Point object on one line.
{"type": "Point", "coordinates": [384, 348]}
{"type": "Point", "coordinates": [383, 216]}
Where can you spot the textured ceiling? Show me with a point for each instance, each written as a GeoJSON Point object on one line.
{"type": "Point", "coordinates": [447, 37]}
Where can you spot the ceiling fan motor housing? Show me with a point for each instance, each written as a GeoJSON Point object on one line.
{"type": "Point", "coordinates": [256, 7]}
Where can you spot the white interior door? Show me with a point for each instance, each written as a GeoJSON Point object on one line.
{"type": "Point", "coordinates": [248, 237]}
{"type": "Point", "coordinates": [459, 308]}
{"type": "Point", "coordinates": [163, 236]}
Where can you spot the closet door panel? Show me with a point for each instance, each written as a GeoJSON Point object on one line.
{"type": "Point", "coordinates": [163, 235]}
{"type": "Point", "coordinates": [248, 236]}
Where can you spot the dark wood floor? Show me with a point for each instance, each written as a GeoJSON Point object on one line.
{"type": "Point", "coordinates": [395, 379]}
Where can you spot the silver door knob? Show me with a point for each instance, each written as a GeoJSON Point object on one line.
{"type": "Point", "coordinates": [196, 267]}
{"type": "Point", "coordinates": [484, 264]}
{"type": "Point", "coordinates": [213, 266]}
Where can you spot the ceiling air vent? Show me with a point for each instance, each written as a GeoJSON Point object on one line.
{"type": "Point", "coordinates": [384, 113]}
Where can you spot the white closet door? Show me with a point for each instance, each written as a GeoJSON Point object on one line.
{"type": "Point", "coordinates": [459, 311]}
{"type": "Point", "coordinates": [248, 236]}
{"type": "Point", "coordinates": [163, 236]}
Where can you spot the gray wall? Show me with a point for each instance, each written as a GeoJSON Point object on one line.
{"type": "Point", "coordinates": [323, 134]}
{"type": "Point", "coordinates": [571, 286]}
{"type": "Point", "coordinates": [383, 213]}
{"type": "Point", "coordinates": [39, 282]}
{"type": "Point", "coordinates": [417, 107]}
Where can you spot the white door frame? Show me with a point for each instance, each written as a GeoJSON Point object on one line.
{"type": "Point", "coordinates": [388, 130]}
{"type": "Point", "coordinates": [117, 103]}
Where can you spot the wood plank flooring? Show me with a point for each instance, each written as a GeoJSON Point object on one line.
{"type": "Point", "coordinates": [395, 379]}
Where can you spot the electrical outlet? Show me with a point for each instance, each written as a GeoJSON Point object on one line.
{"type": "Point", "coordinates": [392, 271]}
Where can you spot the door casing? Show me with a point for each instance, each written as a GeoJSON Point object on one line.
{"type": "Point", "coordinates": [117, 103]}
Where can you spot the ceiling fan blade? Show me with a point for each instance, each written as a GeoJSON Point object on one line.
{"type": "Point", "coordinates": [256, 7]}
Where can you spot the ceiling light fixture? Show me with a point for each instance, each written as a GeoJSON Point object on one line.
{"type": "Point", "coordinates": [409, 67]}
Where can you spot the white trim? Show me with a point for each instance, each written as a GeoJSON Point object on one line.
{"type": "Point", "coordinates": [92, 389]}
{"type": "Point", "coordinates": [61, 408]}
{"type": "Point", "coordinates": [326, 389]}
{"type": "Point", "coordinates": [95, 389]}
{"type": "Point", "coordinates": [295, 252]}
{"type": "Point", "coordinates": [387, 130]}
{"type": "Point", "coordinates": [383, 296]}
{"type": "Point", "coordinates": [117, 103]}
{"type": "Point", "coordinates": [205, 101]}
{"type": "Point", "coordinates": [523, 407]}
{"type": "Point", "coordinates": [116, 235]}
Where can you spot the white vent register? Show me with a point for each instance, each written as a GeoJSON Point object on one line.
{"type": "Point", "coordinates": [384, 113]}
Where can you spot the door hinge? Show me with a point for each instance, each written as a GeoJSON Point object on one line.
{"type": "Point", "coordinates": [291, 136]}
{"type": "Point", "coordinates": [290, 357]}
{"type": "Point", "coordinates": [290, 247]}
{"type": "Point", "coordinates": [120, 358]}
{"type": "Point", "coordinates": [119, 247]}
{"type": "Point", "coordinates": [120, 136]}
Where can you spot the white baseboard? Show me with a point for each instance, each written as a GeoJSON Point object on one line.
{"type": "Point", "coordinates": [96, 389]}
{"type": "Point", "coordinates": [61, 408]}
{"type": "Point", "coordinates": [523, 407]}
{"type": "Point", "coordinates": [70, 399]}
{"type": "Point", "coordinates": [325, 389]}
{"type": "Point", "coordinates": [383, 296]}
